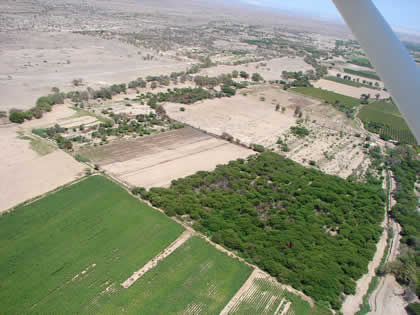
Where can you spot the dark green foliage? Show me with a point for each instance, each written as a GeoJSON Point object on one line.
{"type": "Point", "coordinates": [299, 131]}
{"type": "Point", "coordinates": [277, 214]}
{"type": "Point", "coordinates": [258, 148]}
{"type": "Point", "coordinates": [413, 309]}
{"type": "Point", "coordinates": [228, 91]}
{"type": "Point", "coordinates": [256, 77]}
{"type": "Point", "coordinates": [183, 95]}
{"type": "Point", "coordinates": [17, 116]}
{"type": "Point", "coordinates": [406, 169]}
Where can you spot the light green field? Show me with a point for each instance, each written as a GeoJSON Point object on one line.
{"type": "Point", "coordinates": [328, 96]}
{"type": "Point", "coordinates": [267, 297]}
{"type": "Point", "coordinates": [195, 279]}
{"type": "Point", "coordinates": [59, 254]}
{"type": "Point", "coordinates": [385, 118]}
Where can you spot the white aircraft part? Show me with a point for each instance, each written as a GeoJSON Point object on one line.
{"type": "Point", "coordinates": [388, 55]}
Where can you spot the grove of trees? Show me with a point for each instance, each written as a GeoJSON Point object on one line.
{"type": "Point", "coordinates": [314, 231]}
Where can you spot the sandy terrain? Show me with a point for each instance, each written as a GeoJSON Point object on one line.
{"type": "Point", "coordinates": [34, 63]}
{"type": "Point", "coordinates": [388, 298]}
{"type": "Point", "coordinates": [272, 70]}
{"type": "Point", "coordinates": [246, 118]}
{"type": "Point", "coordinates": [154, 161]}
{"type": "Point", "coordinates": [352, 302]}
{"type": "Point", "coordinates": [348, 89]}
{"type": "Point", "coordinates": [25, 174]}
{"type": "Point", "coordinates": [154, 262]}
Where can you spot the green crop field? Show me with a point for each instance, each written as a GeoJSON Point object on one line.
{"type": "Point", "coordinates": [58, 254]}
{"type": "Point", "coordinates": [360, 61]}
{"type": "Point", "coordinates": [329, 97]}
{"type": "Point", "coordinates": [363, 73]}
{"type": "Point", "coordinates": [265, 296]}
{"type": "Point", "coordinates": [196, 278]}
{"type": "Point", "coordinates": [385, 119]}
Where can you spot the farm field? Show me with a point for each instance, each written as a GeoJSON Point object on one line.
{"type": "Point", "coordinates": [385, 119]}
{"type": "Point", "coordinates": [363, 73]}
{"type": "Point", "coordinates": [31, 167]}
{"type": "Point", "coordinates": [156, 160]}
{"type": "Point", "coordinates": [60, 253]}
{"type": "Point", "coordinates": [198, 279]}
{"type": "Point", "coordinates": [347, 90]}
{"type": "Point", "coordinates": [251, 118]}
{"type": "Point", "coordinates": [328, 96]}
{"type": "Point", "coordinates": [261, 294]}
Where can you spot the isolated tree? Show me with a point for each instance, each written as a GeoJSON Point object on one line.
{"type": "Point", "coordinates": [277, 107]}
{"type": "Point", "coordinates": [244, 74]}
{"type": "Point", "coordinates": [235, 74]}
{"type": "Point", "coordinates": [377, 96]}
{"type": "Point", "coordinates": [338, 75]}
{"type": "Point", "coordinates": [77, 82]}
{"type": "Point", "coordinates": [283, 109]}
{"type": "Point", "coordinates": [256, 77]}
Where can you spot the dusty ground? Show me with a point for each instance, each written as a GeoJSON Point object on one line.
{"type": "Point", "coordinates": [25, 174]}
{"type": "Point", "coordinates": [348, 90]}
{"type": "Point", "coordinates": [246, 118]}
{"type": "Point", "coordinates": [33, 63]}
{"type": "Point", "coordinates": [271, 71]}
{"type": "Point", "coordinates": [154, 161]}
{"type": "Point", "coordinates": [331, 144]}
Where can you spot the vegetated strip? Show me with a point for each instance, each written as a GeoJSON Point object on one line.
{"type": "Point", "coordinates": [362, 73]}
{"type": "Point", "coordinates": [93, 222]}
{"type": "Point", "coordinates": [153, 263]}
{"type": "Point", "coordinates": [281, 216]}
{"type": "Point", "coordinates": [348, 82]}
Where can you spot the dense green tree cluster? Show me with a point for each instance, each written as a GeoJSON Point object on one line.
{"type": "Point", "coordinates": [314, 231]}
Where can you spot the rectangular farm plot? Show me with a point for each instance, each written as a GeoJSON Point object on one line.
{"type": "Point", "coordinates": [252, 119]}
{"type": "Point", "coordinates": [154, 161]}
{"type": "Point", "coordinates": [195, 279]}
{"type": "Point", "coordinates": [60, 253]}
{"type": "Point", "coordinates": [261, 294]}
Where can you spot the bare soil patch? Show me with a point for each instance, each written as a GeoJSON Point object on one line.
{"type": "Point", "coordinates": [156, 160]}
{"type": "Point", "coordinates": [251, 119]}
{"type": "Point", "coordinates": [349, 90]}
{"type": "Point", "coordinates": [25, 174]}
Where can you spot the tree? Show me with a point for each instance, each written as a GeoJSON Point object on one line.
{"type": "Point", "coordinates": [256, 77]}
{"type": "Point", "coordinates": [377, 96]}
{"type": "Point", "coordinates": [153, 85]}
{"type": "Point", "coordinates": [235, 74]}
{"type": "Point", "coordinates": [16, 116]}
{"type": "Point", "coordinates": [244, 75]}
{"type": "Point", "coordinates": [338, 75]}
{"type": "Point", "coordinates": [277, 107]}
